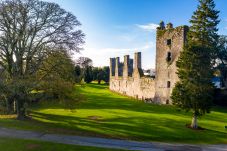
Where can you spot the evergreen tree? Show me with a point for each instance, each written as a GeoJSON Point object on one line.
{"type": "Point", "coordinates": [88, 74]}
{"type": "Point", "coordinates": [78, 74]}
{"type": "Point", "coordinates": [204, 25]}
{"type": "Point", "coordinates": [222, 58]}
{"type": "Point", "coordinates": [194, 89]}
{"type": "Point", "coordinates": [106, 76]}
{"type": "Point", "coordinates": [95, 72]}
{"type": "Point", "coordinates": [100, 76]}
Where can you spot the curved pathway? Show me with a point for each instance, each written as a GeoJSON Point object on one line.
{"type": "Point", "coordinates": [107, 143]}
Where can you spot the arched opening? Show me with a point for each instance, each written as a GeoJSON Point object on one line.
{"type": "Point", "coordinates": [169, 56]}
{"type": "Point", "coordinates": [168, 84]}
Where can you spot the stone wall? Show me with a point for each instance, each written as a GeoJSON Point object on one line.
{"type": "Point", "coordinates": [169, 43]}
{"type": "Point", "coordinates": [132, 83]}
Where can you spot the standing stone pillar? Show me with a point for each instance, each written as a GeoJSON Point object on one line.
{"type": "Point", "coordinates": [126, 66]}
{"type": "Point", "coordinates": [112, 67]}
{"type": "Point", "coordinates": [137, 71]}
{"type": "Point", "coordinates": [137, 60]}
{"type": "Point", "coordinates": [117, 62]}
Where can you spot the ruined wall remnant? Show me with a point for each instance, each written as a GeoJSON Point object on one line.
{"type": "Point", "coordinates": [132, 83]}
{"type": "Point", "coordinates": [112, 67]}
{"type": "Point", "coordinates": [127, 78]}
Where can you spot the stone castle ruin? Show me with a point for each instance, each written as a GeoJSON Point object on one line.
{"type": "Point", "coordinates": [127, 78]}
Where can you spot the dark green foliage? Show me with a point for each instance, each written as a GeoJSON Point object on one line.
{"type": "Point", "coordinates": [222, 58]}
{"type": "Point", "coordinates": [16, 91]}
{"type": "Point", "coordinates": [88, 74]}
{"type": "Point", "coordinates": [57, 74]}
{"type": "Point", "coordinates": [106, 72]}
{"type": "Point", "coordinates": [95, 72]}
{"type": "Point", "coordinates": [204, 24]}
{"type": "Point", "coordinates": [194, 91]}
{"type": "Point", "coordinates": [78, 74]}
{"type": "Point", "coordinates": [100, 74]}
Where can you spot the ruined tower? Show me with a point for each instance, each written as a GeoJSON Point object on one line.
{"type": "Point", "coordinates": [169, 42]}
{"type": "Point", "coordinates": [130, 80]}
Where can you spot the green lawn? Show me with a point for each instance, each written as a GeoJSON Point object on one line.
{"type": "Point", "coordinates": [107, 114]}
{"type": "Point", "coordinates": [9, 144]}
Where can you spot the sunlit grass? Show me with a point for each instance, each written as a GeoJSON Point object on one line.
{"type": "Point", "coordinates": [107, 114]}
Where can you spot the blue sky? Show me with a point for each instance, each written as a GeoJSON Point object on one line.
{"type": "Point", "coordinates": [120, 27]}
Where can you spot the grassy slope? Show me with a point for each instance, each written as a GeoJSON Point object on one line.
{"type": "Point", "coordinates": [111, 115]}
{"type": "Point", "coordinates": [10, 144]}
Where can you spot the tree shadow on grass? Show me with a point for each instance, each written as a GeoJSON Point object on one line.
{"type": "Point", "coordinates": [153, 128]}
{"type": "Point", "coordinates": [98, 99]}
{"type": "Point", "coordinates": [146, 129]}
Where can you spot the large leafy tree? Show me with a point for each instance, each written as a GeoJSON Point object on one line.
{"type": "Point", "coordinates": [29, 30]}
{"type": "Point", "coordinates": [57, 79]}
{"type": "Point", "coordinates": [194, 89]}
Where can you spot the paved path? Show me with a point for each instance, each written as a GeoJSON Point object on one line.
{"type": "Point", "coordinates": [107, 143]}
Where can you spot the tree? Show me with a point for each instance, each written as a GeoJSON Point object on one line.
{"type": "Point", "coordinates": [88, 74]}
{"type": "Point", "coordinates": [204, 26]}
{"type": "Point", "coordinates": [84, 62]}
{"type": "Point", "coordinates": [77, 74]}
{"type": "Point", "coordinates": [57, 79]}
{"type": "Point", "coordinates": [100, 76]}
{"type": "Point", "coordinates": [106, 72]}
{"type": "Point", "coordinates": [86, 68]}
{"type": "Point", "coordinates": [95, 72]}
{"type": "Point", "coordinates": [222, 57]}
{"type": "Point", "coordinates": [29, 30]}
{"type": "Point", "coordinates": [194, 89]}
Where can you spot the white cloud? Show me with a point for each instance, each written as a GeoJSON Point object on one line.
{"type": "Point", "coordinates": [101, 56]}
{"type": "Point", "coordinates": [148, 27]}
{"type": "Point", "coordinates": [122, 40]}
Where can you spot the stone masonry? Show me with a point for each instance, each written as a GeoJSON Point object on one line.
{"type": "Point", "coordinates": [128, 78]}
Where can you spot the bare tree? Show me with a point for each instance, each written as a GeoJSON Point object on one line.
{"type": "Point", "coordinates": [84, 62]}
{"type": "Point", "coordinates": [29, 30]}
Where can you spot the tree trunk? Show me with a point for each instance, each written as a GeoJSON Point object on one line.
{"type": "Point", "coordinates": [194, 123]}
{"type": "Point", "coordinates": [20, 110]}
{"type": "Point", "coordinates": [99, 81]}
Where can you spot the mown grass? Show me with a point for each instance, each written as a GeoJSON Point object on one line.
{"type": "Point", "coordinates": [111, 115]}
{"type": "Point", "coordinates": [12, 144]}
